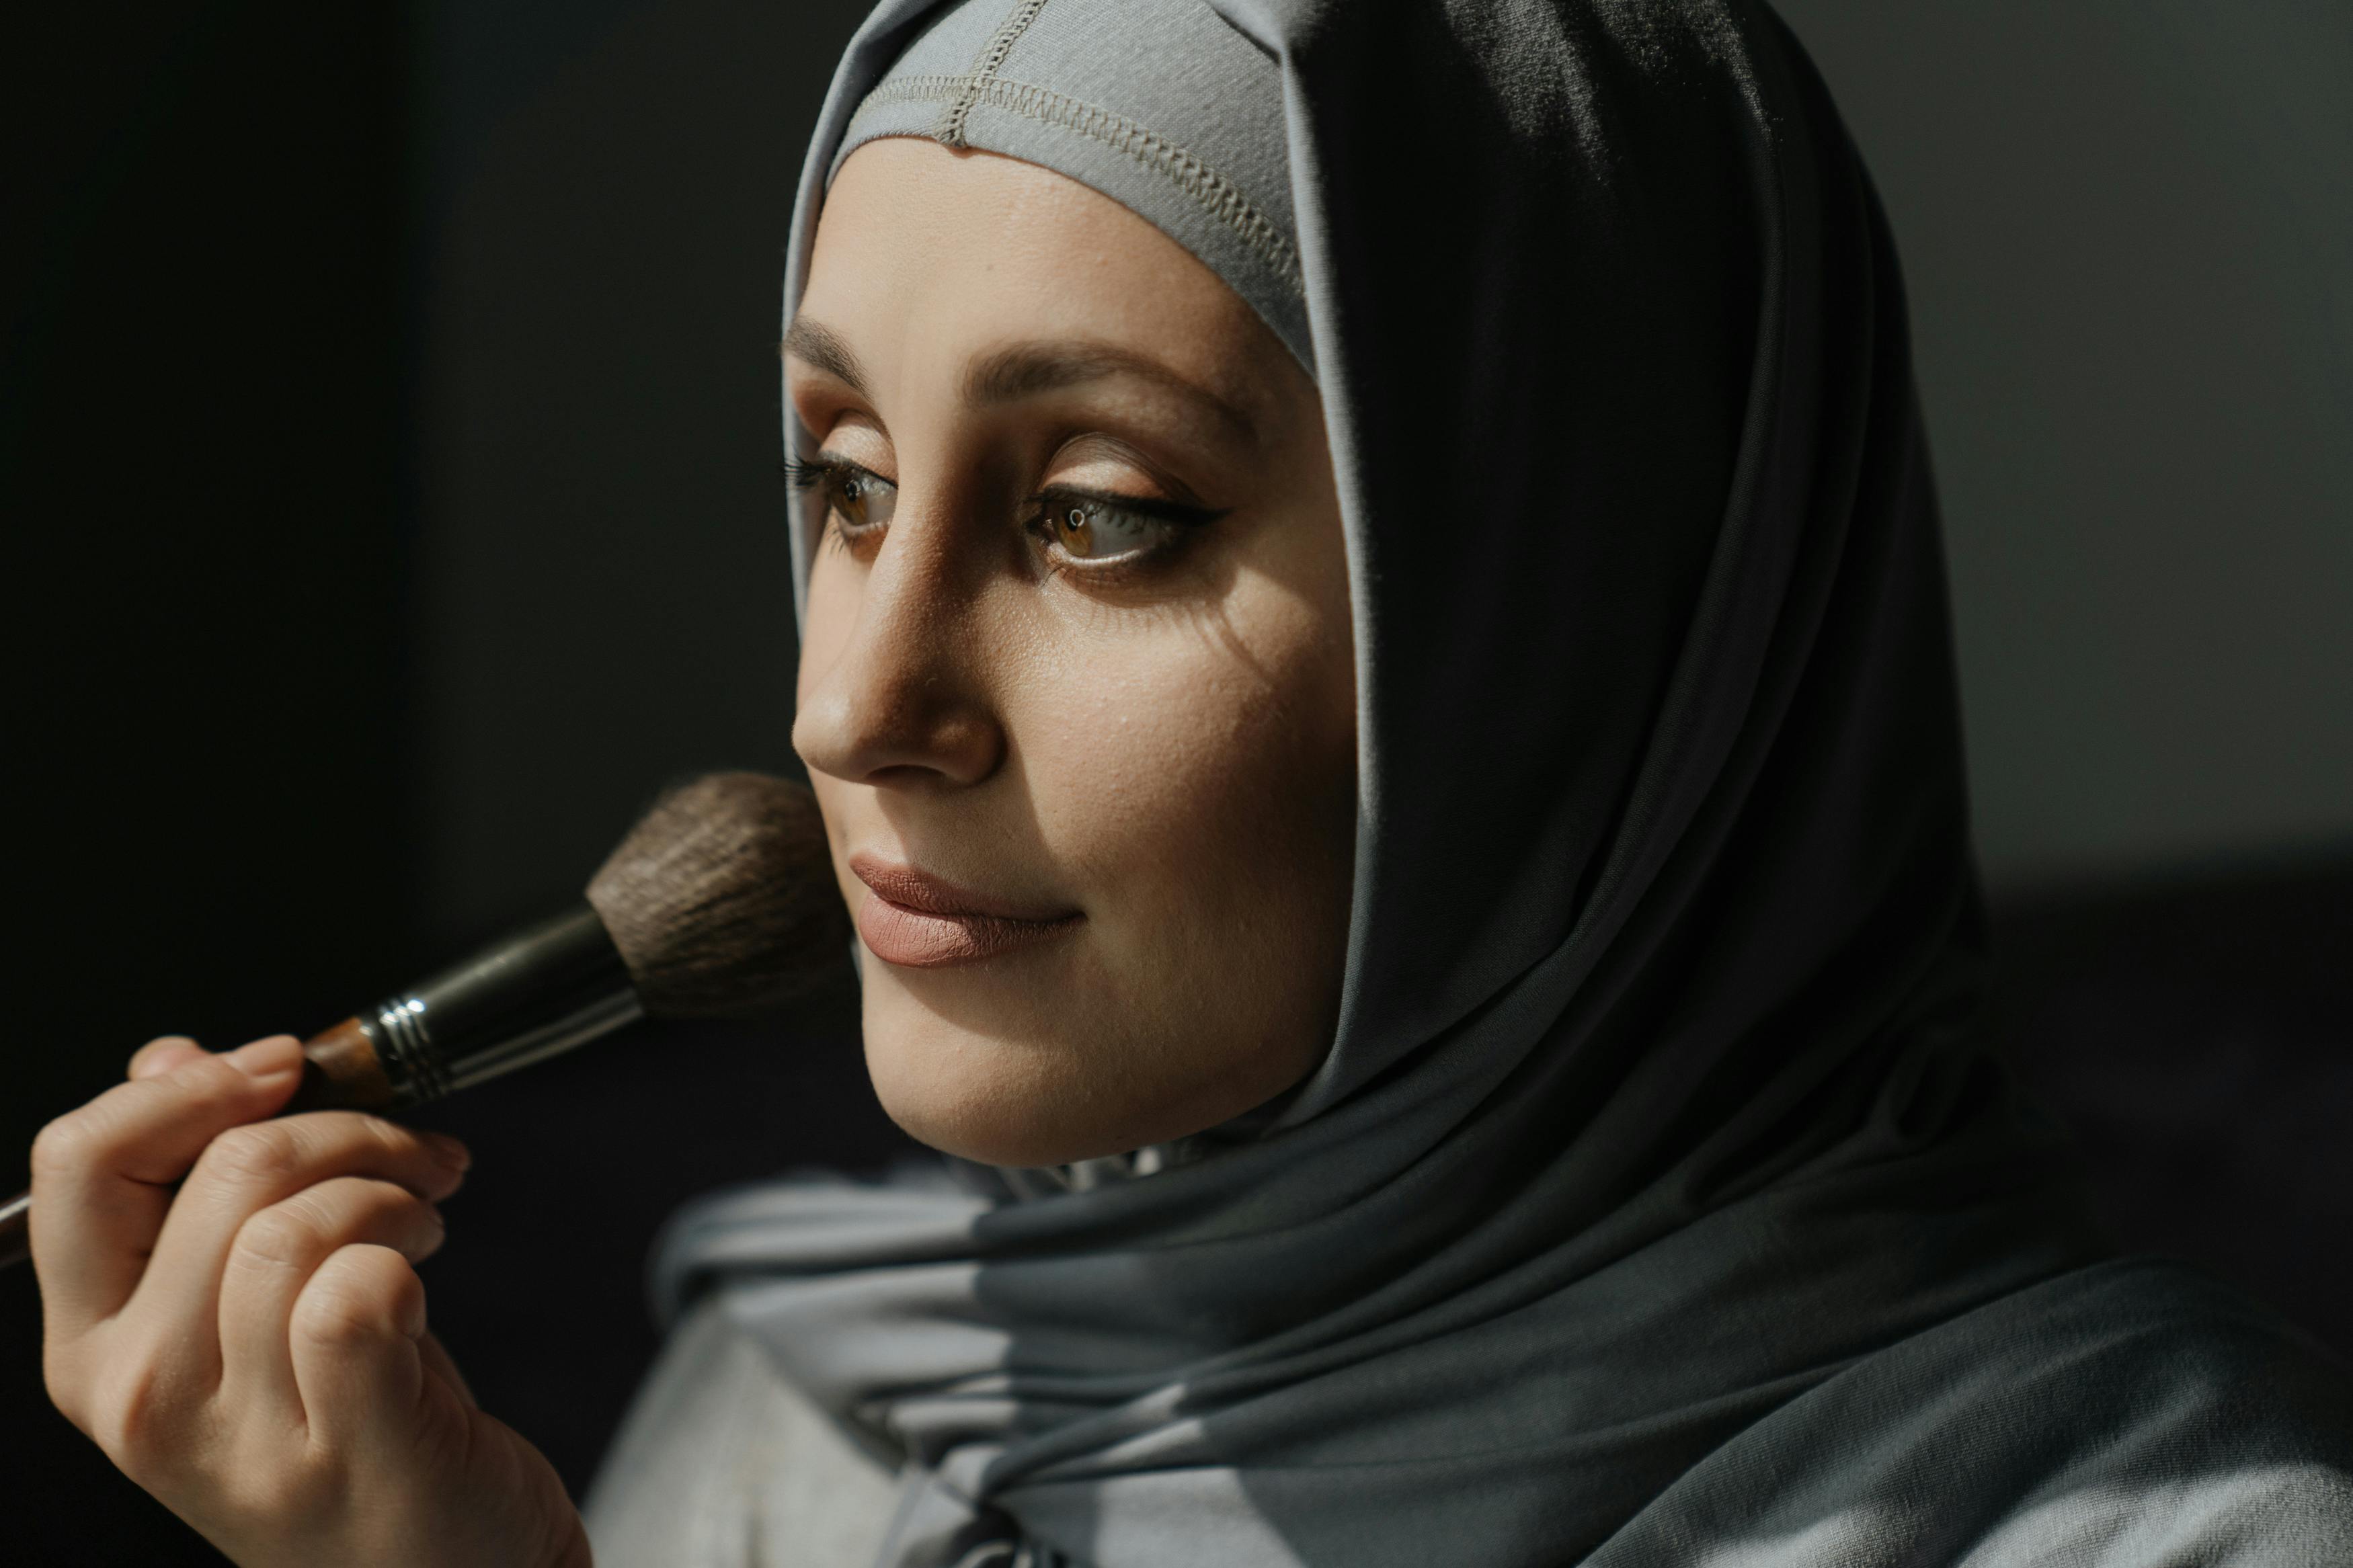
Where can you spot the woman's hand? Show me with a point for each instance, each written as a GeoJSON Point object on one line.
{"type": "Point", "coordinates": [253, 1350]}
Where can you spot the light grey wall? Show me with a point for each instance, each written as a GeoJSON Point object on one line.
{"type": "Point", "coordinates": [2129, 228]}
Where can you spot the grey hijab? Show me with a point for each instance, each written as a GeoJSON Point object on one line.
{"type": "Point", "coordinates": [1656, 1202]}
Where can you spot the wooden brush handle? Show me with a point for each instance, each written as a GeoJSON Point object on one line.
{"type": "Point", "coordinates": [342, 1072]}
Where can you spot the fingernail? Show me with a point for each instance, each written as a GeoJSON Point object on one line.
{"type": "Point", "coordinates": [448, 1151]}
{"type": "Point", "coordinates": [272, 1058]}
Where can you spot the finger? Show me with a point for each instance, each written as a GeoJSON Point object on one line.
{"type": "Point", "coordinates": [101, 1175]}
{"type": "Point", "coordinates": [354, 1343]}
{"type": "Point", "coordinates": [247, 1169]}
{"type": "Point", "coordinates": [159, 1056]}
{"type": "Point", "coordinates": [276, 1253]}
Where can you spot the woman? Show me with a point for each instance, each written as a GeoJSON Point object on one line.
{"type": "Point", "coordinates": [1374, 662]}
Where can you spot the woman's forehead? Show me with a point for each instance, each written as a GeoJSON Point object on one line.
{"type": "Point", "coordinates": [905, 210]}
{"type": "Point", "coordinates": [1006, 276]}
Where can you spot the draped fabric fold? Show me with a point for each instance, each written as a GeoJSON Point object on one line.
{"type": "Point", "coordinates": [1658, 1115]}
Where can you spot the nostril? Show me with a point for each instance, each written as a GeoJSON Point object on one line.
{"type": "Point", "coordinates": [973, 755]}
{"type": "Point", "coordinates": [903, 735]}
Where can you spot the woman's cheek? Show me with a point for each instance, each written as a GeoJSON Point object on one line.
{"type": "Point", "coordinates": [1131, 777]}
{"type": "Point", "coordinates": [1189, 795]}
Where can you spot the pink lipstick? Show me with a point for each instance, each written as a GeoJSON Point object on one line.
{"type": "Point", "coordinates": [921, 922]}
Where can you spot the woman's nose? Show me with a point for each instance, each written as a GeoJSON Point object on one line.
{"type": "Point", "coordinates": [900, 700]}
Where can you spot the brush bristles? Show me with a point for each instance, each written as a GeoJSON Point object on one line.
{"type": "Point", "coordinates": [722, 898]}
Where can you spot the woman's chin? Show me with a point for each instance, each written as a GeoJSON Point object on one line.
{"type": "Point", "coordinates": [1049, 1086]}
{"type": "Point", "coordinates": [979, 1098]}
{"type": "Point", "coordinates": [1003, 1104]}
{"type": "Point", "coordinates": [988, 1124]}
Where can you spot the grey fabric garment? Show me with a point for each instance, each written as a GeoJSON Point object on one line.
{"type": "Point", "coordinates": [723, 1464]}
{"type": "Point", "coordinates": [1657, 1201]}
{"type": "Point", "coordinates": [2124, 1415]}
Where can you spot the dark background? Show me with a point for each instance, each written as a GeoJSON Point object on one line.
{"type": "Point", "coordinates": [387, 461]}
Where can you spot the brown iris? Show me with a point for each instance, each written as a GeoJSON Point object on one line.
{"type": "Point", "coordinates": [859, 499]}
{"type": "Point", "coordinates": [1074, 531]}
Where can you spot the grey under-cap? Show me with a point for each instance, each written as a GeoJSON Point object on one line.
{"type": "Point", "coordinates": [1158, 104]}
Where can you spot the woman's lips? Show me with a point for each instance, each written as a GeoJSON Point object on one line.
{"type": "Point", "coordinates": [919, 920]}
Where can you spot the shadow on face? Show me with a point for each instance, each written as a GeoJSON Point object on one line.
{"type": "Point", "coordinates": [1076, 688]}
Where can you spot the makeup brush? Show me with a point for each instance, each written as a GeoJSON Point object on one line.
{"type": "Point", "coordinates": [719, 903]}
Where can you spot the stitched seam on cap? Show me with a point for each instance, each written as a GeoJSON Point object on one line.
{"type": "Point", "coordinates": [1207, 189]}
{"type": "Point", "coordinates": [950, 130]}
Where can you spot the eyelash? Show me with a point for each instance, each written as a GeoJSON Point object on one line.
{"type": "Point", "coordinates": [815, 474]}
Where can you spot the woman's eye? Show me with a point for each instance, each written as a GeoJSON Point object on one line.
{"type": "Point", "coordinates": [1086, 529]}
{"type": "Point", "coordinates": [858, 501]}
{"type": "Point", "coordinates": [861, 500]}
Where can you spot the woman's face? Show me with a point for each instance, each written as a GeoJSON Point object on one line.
{"type": "Point", "coordinates": [1076, 683]}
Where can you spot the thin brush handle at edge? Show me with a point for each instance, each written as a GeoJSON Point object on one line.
{"type": "Point", "coordinates": [342, 1072]}
{"type": "Point", "coordinates": [537, 994]}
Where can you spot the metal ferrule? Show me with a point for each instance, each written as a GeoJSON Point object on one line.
{"type": "Point", "coordinates": [538, 995]}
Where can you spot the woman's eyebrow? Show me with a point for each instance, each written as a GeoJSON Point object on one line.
{"type": "Point", "coordinates": [1021, 370]}
{"type": "Point", "coordinates": [1024, 370]}
{"type": "Point", "coordinates": [819, 347]}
